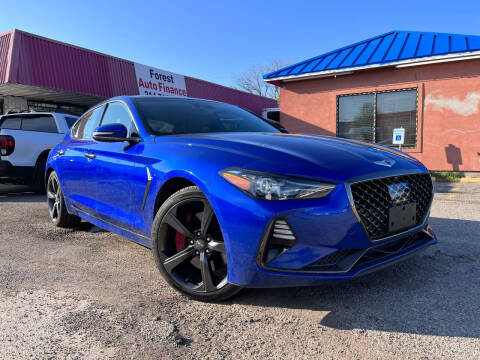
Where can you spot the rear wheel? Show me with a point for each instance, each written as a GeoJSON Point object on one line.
{"type": "Point", "coordinates": [188, 247]}
{"type": "Point", "coordinates": [38, 181]}
{"type": "Point", "coordinates": [56, 204]}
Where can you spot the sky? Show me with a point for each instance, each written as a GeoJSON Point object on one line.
{"type": "Point", "coordinates": [216, 40]}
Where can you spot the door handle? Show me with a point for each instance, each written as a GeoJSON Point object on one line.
{"type": "Point", "coordinates": [90, 156]}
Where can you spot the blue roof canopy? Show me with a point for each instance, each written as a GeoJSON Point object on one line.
{"type": "Point", "coordinates": [392, 47]}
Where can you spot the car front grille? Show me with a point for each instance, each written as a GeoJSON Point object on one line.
{"type": "Point", "coordinates": [374, 198]}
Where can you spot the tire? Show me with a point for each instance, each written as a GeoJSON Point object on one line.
{"type": "Point", "coordinates": [56, 204]}
{"type": "Point", "coordinates": [38, 181]}
{"type": "Point", "coordinates": [188, 247]}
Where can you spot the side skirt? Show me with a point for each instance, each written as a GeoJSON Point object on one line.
{"type": "Point", "coordinates": [136, 237]}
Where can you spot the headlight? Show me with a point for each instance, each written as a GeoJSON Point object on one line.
{"type": "Point", "coordinates": [275, 187]}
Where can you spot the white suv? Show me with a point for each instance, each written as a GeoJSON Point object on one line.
{"type": "Point", "coordinates": [25, 141]}
{"type": "Point", "coordinates": [271, 114]}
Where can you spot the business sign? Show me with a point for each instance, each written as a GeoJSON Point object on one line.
{"type": "Point", "coordinates": [398, 136]}
{"type": "Point", "coordinates": [156, 82]}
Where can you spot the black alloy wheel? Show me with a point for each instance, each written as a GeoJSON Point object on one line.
{"type": "Point", "coordinates": [188, 247]}
{"type": "Point", "coordinates": [56, 204]}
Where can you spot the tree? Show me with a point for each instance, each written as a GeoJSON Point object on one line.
{"type": "Point", "coordinates": [251, 80]}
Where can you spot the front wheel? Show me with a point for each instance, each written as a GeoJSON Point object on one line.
{"type": "Point", "coordinates": [188, 247]}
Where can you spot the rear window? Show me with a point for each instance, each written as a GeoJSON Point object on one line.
{"type": "Point", "coordinates": [11, 123]}
{"type": "Point", "coordinates": [42, 123]}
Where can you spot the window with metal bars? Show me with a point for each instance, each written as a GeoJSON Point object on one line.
{"type": "Point", "coordinates": [371, 117]}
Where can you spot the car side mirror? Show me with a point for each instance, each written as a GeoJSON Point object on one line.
{"type": "Point", "coordinates": [112, 133]}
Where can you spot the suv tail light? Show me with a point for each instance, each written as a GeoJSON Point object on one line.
{"type": "Point", "coordinates": [7, 145]}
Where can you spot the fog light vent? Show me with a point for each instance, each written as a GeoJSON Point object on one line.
{"type": "Point", "coordinates": [281, 230]}
{"type": "Point", "coordinates": [280, 239]}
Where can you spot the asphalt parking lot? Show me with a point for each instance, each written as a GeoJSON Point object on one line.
{"type": "Point", "coordinates": [74, 294]}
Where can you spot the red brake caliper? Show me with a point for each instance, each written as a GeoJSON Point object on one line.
{"type": "Point", "coordinates": [180, 240]}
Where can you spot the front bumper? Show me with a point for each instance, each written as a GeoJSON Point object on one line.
{"type": "Point", "coordinates": [356, 262]}
{"type": "Point", "coordinates": [322, 227]}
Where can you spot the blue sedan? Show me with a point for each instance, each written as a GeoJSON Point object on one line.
{"type": "Point", "coordinates": [225, 200]}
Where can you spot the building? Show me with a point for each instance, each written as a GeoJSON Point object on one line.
{"type": "Point", "coordinates": [426, 83]}
{"type": "Point", "coordinates": [42, 74]}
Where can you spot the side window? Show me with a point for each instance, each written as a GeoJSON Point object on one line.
{"type": "Point", "coordinates": [11, 123]}
{"type": "Point", "coordinates": [117, 113]}
{"type": "Point", "coordinates": [83, 129]}
{"type": "Point", "coordinates": [42, 123]}
{"type": "Point", "coordinates": [70, 121]}
{"type": "Point", "coordinates": [74, 131]}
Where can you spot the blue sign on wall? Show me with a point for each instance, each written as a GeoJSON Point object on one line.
{"type": "Point", "coordinates": [398, 136]}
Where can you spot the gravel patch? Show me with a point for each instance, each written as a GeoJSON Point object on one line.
{"type": "Point", "coordinates": [78, 294]}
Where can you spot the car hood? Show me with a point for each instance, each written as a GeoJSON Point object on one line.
{"type": "Point", "coordinates": [305, 155]}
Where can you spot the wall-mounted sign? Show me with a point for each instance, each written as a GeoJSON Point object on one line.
{"type": "Point", "coordinates": [157, 82]}
{"type": "Point", "coordinates": [398, 136]}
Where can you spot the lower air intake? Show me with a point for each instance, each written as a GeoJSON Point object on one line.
{"type": "Point", "coordinates": [280, 239]}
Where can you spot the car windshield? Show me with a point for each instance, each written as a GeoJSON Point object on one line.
{"type": "Point", "coordinates": [171, 116]}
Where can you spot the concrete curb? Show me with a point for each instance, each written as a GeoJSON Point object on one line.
{"type": "Point", "coordinates": [461, 180]}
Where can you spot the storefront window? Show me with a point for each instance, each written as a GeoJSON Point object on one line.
{"type": "Point", "coordinates": [50, 107]}
{"type": "Point", "coordinates": [372, 117]}
{"type": "Point", "coordinates": [356, 117]}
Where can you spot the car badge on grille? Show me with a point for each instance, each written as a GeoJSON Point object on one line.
{"type": "Point", "coordinates": [387, 163]}
{"type": "Point", "coordinates": [399, 192]}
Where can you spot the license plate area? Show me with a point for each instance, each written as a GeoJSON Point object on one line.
{"type": "Point", "coordinates": [402, 217]}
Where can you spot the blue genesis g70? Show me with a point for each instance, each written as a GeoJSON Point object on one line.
{"type": "Point", "coordinates": [226, 200]}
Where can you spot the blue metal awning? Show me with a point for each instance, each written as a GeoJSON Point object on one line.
{"type": "Point", "coordinates": [395, 47]}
